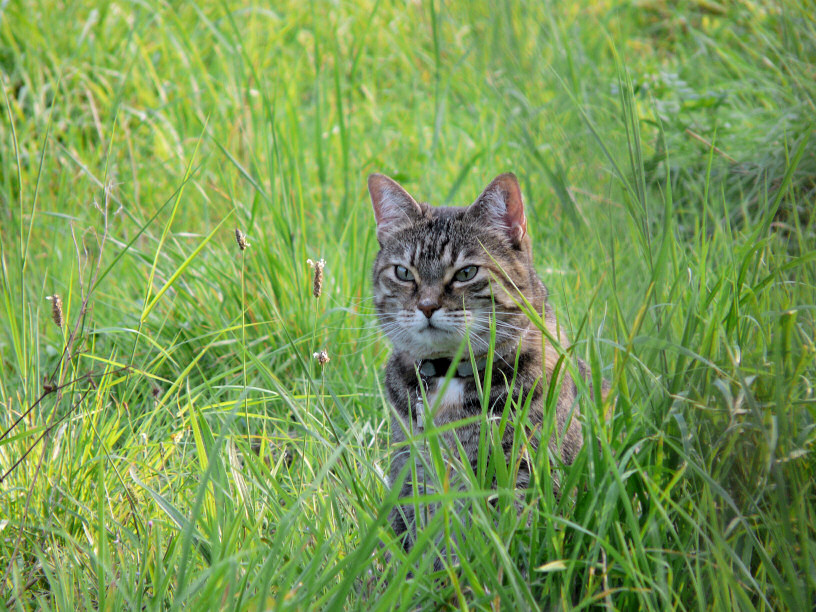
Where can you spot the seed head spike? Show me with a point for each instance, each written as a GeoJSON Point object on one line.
{"type": "Point", "coordinates": [317, 266]}
{"type": "Point", "coordinates": [56, 309]}
{"type": "Point", "coordinates": [241, 239]}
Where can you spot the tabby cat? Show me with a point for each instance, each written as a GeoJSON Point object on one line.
{"type": "Point", "coordinates": [440, 274]}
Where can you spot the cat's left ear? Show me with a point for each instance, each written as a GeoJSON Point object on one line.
{"type": "Point", "coordinates": [501, 206]}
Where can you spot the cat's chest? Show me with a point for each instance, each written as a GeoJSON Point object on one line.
{"type": "Point", "coordinates": [444, 402]}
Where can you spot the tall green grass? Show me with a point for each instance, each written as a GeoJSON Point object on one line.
{"type": "Point", "coordinates": [178, 445]}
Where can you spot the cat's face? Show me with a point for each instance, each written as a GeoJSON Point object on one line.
{"type": "Point", "coordinates": [441, 272]}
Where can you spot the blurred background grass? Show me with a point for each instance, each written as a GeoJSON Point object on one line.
{"type": "Point", "coordinates": [664, 153]}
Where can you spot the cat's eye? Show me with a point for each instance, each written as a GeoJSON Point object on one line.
{"type": "Point", "coordinates": [403, 273]}
{"type": "Point", "coordinates": [466, 274]}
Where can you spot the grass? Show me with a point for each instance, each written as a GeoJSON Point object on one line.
{"type": "Point", "coordinates": [184, 449]}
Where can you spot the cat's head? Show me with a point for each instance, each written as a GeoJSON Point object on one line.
{"type": "Point", "coordinates": [442, 271]}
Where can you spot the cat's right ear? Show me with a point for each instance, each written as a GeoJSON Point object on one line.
{"type": "Point", "coordinates": [394, 207]}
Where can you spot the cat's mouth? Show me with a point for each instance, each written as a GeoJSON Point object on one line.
{"type": "Point", "coordinates": [437, 329]}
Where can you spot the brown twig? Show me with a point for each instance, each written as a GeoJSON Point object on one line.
{"type": "Point", "coordinates": [58, 374]}
{"type": "Point", "coordinates": [49, 389]}
{"type": "Point", "coordinates": [48, 429]}
{"type": "Point", "coordinates": [710, 145]}
{"type": "Point", "coordinates": [33, 578]}
{"type": "Point", "coordinates": [45, 433]}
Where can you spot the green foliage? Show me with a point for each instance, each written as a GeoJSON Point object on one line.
{"type": "Point", "coordinates": [176, 445]}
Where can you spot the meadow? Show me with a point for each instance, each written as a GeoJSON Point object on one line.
{"type": "Point", "coordinates": [173, 443]}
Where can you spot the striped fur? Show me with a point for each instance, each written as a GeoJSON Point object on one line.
{"type": "Point", "coordinates": [433, 244]}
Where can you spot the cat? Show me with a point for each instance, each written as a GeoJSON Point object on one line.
{"type": "Point", "coordinates": [440, 274]}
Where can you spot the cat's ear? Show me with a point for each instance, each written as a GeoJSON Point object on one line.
{"type": "Point", "coordinates": [501, 206]}
{"type": "Point", "coordinates": [394, 208]}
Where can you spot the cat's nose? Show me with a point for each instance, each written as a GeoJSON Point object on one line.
{"type": "Point", "coordinates": [428, 306]}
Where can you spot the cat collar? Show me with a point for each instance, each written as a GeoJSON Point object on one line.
{"type": "Point", "coordinates": [430, 368]}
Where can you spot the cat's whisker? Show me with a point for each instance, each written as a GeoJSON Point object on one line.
{"type": "Point", "coordinates": [511, 329]}
{"type": "Point", "coordinates": [499, 330]}
{"type": "Point", "coordinates": [503, 324]}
